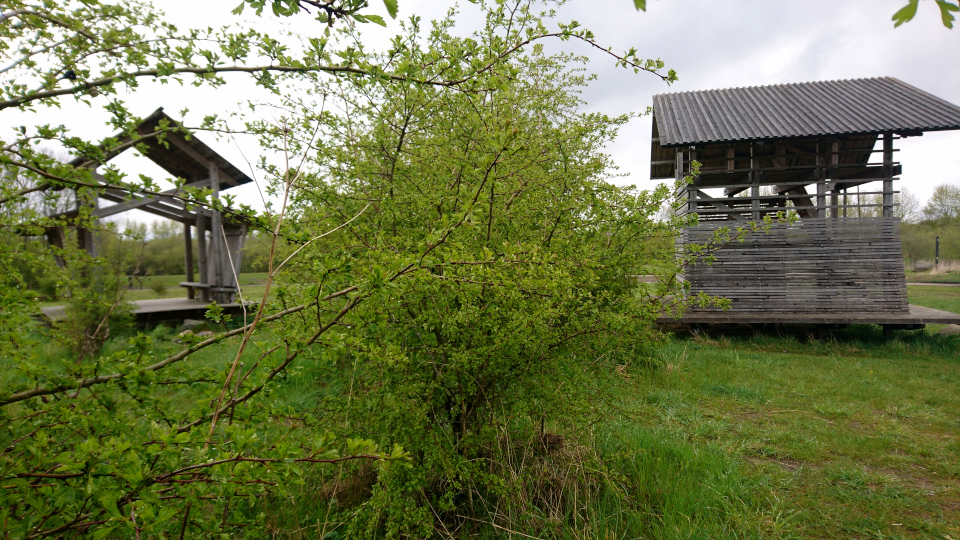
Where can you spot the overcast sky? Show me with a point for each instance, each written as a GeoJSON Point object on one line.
{"type": "Point", "coordinates": [710, 43]}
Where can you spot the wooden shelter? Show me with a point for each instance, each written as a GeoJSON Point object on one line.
{"type": "Point", "coordinates": [220, 238]}
{"type": "Point", "coordinates": [824, 150]}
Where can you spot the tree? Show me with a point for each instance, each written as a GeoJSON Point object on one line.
{"type": "Point", "coordinates": [144, 439]}
{"type": "Point", "coordinates": [944, 204]}
{"type": "Point", "coordinates": [906, 206]}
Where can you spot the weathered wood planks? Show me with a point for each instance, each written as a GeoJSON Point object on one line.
{"type": "Point", "coordinates": [812, 266]}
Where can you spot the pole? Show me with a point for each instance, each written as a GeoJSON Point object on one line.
{"type": "Point", "coordinates": [936, 260]}
{"type": "Point", "coordinates": [188, 257]}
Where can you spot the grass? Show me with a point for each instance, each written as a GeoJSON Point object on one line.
{"type": "Point", "coordinates": [252, 286]}
{"type": "Point", "coordinates": [844, 434]}
{"type": "Point", "coordinates": [838, 436]}
{"type": "Point", "coordinates": [943, 298]}
{"type": "Point", "coordinates": [947, 272]}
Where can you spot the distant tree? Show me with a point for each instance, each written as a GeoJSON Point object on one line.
{"type": "Point", "coordinates": [944, 204]}
{"type": "Point", "coordinates": [906, 206]}
{"type": "Point", "coordinates": [908, 209]}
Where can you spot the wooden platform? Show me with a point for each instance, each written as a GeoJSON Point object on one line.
{"type": "Point", "coordinates": [165, 309]}
{"type": "Point", "coordinates": [917, 316]}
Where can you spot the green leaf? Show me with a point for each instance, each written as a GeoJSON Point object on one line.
{"type": "Point", "coordinates": [391, 7]}
{"type": "Point", "coordinates": [641, 5]}
{"type": "Point", "coordinates": [376, 19]}
{"type": "Point", "coordinates": [906, 13]}
{"type": "Point", "coordinates": [945, 15]}
{"type": "Point", "coordinates": [109, 502]}
{"type": "Point", "coordinates": [239, 9]}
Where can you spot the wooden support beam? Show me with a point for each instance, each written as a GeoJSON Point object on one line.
{"type": "Point", "coordinates": [202, 254]}
{"type": "Point", "coordinates": [188, 257]}
{"type": "Point", "coordinates": [57, 238]}
{"type": "Point", "coordinates": [733, 212]}
{"type": "Point", "coordinates": [888, 174]}
{"type": "Point", "coordinates": [834, 199]}
{"type": "Point", "coordinates": [216, 238]}
{"type": "Point", "coordinates": [132, 204]}
{"type": "Point", "coordinates": [821, 185]}
{"type": "Point", "coordinates": [800, 198]}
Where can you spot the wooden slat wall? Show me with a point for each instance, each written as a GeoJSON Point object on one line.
{"type": "Point", "coordinates": [812, 266]}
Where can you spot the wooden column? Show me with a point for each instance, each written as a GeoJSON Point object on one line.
{"type": "Point", "coordinates": [692, 156]}
{"type": "Point", "coordinates": [689, 191]}
{"type": "Point", "coordinates": [88, 240]}
{"type": "Point", "coordinates": [57, 238]}
{"type": "Point", "coordinates": [202, 254]}
{"type": "Point", "coordinates": [188, 258]}
{"type": "Point", "coordinates": [821, 185]}
{"type": "Point", "coordinates": [755, 190]}
{"type": "Point", "coordinates": [216, 236]}
{"type": "Point", "coordinates": [888, 175]}
{"type": "Point", "coordinates": [834, 193]}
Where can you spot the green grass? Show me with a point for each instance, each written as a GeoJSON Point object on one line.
{"type": "Point", "coordinates": [943, 298]}
{"type": "Point", "coordinates": [842, 436]}
{"type": "Point", "coordinates": [927, 277]}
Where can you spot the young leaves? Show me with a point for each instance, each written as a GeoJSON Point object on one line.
{"type": "Point", "coordinates": [909, 11]}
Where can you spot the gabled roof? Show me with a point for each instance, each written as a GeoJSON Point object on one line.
{"type": "Point", "coordinates": [181, 157]}
{"type": "Point", "coordinates": [857, 106]}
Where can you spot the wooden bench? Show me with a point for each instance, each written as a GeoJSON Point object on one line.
{"type": "Point", "coordinates": [192, 287]}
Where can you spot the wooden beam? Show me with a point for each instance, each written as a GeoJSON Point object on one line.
{"type": "Point", "coordinates": [733, 212]}
{"type": "Point", "coordinates": [188, 257]}
{"type": "Point", "coordinates": [202, 254]}
{"type": "Point", "coordinates": [888, 174]}
{"type": "Point", "coordinates": [132, 204]}
{"type": "Point", "coordinates": [799, 197]}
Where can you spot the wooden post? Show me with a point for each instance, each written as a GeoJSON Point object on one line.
{"type": "Point", "coordinates": [834, 194]}
{"type": "Point", "coordinates": [202, 254]}
{"type": "Point", "coordinates": [696, 179]}
{"type": "Point", "coordinates": [216, 235]}
{"type": "Point", "coordinates": [188, 258]}
{"type": "Point", "coordinates": [690, 192]}
{"type": "Point", "coordinates": [888, 174]}
{"type": "Point", "coordinates": [755, 190]}
{"type": "Point", "coordinates": [57, 238]}
{"type": "Point", "coordinates": [821, 185]}
{"type": "Point", "coordinates": [88, 240]}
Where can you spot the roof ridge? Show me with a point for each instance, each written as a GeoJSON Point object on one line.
{"type": "Point", "coordinates": [781, 85]}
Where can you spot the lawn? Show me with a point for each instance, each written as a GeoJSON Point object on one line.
{"type": "Point", "coordinates": [929, 277]}
{"type": "Point", "coordinates": [840, 435]}
{"type": "Point", "coordinates": [937, 297]}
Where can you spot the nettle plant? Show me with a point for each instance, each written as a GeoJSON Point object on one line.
{"type": "Point", "coordinates": [451, 233]}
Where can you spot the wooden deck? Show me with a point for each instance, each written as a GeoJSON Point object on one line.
{"type": "Point", "coordinates": [166, 309]}
{"type": "Point", "coordinates": [917, 316]}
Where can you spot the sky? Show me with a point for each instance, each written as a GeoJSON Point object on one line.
{"type": "Point", "coordinates": [710, 43]}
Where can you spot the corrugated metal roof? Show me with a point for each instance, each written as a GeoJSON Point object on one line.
{"type": "Point", "coordinates": [811, 109]}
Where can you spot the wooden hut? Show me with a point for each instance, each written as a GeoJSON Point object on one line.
{"type": "Point", "coordinates": [220, 238]}
{"type": "Point", "coordinates": [824, 150]}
